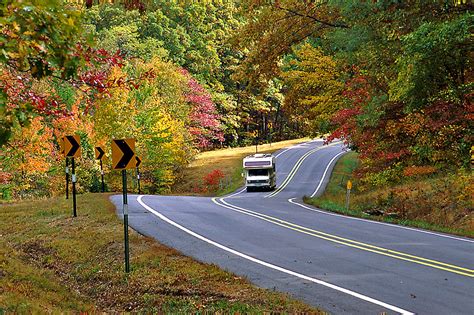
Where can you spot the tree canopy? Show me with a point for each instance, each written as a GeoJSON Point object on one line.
{"type": "Point", "coordinates": [393, 79]}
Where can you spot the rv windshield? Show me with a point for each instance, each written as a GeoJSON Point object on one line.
{"type": "Point", "coordinates": [258, 172]}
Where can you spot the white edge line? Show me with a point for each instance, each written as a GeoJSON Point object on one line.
{"type": "Point", "coordinates": [310, 141]}
{"type": "Point", "coordinates": [235, 194]}
{"type": "Point", "coordinates": [291, 200]}
{"type": "Point", "coordinates": [292, 172]}
{"type": "Point", "coordinates": [271, 266]}
{"type": "Point", "coordinates": [283, 152]}
{"type": "Point", "coordinates": [325, 172]}
{"type": "Point", "coordinates": [300, 161]}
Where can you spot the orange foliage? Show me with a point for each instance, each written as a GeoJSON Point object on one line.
{"type": "Point", "coordinates": [31, 147]}
{"type": "Point", "coordinates": [411, 171]}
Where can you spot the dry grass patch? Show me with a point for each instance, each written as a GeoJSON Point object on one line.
{"type": "Point", "coordinates": [51, 262]}
{"type": "Point", "coordinates": [229, 161]}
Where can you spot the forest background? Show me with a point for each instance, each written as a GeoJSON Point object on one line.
{"type": "Point", "coordinates": [392, 78]}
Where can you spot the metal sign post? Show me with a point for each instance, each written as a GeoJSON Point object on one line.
{"type": "Point", "coordinates": [138, 173]}
{"type": "Point", "coordinates": [125, 220]}
{"type": "Point", "coordinates": [99, 154]}
{"type": "Point", "coordinates": [72, 148]}
{"type": "Point", "coordinates": [102, 176]}
{"type": "Point", "coordinates": [348, 193]}
{"type": "Point", "coordinates": [73, 188]}
{"type": "Point", "coordinates": [67, 178]}
{"type": "Point", "coordinates": [138, 180]}
{"type": "Point", "coordinates": [123, 158]}
{"type": "Point", "coordinates": [256, 143]}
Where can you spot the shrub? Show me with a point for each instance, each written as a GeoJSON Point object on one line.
{"type": "Point", "coordinates": [212, 179]}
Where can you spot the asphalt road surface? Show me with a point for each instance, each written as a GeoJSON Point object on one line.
{"type": "Point", "coordinates": [341, 264]}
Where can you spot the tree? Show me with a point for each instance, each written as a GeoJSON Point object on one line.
{"type": "Point", "coordinates": [203, 120]}
{"type": "Point", "coordinates": [272, 30]}
{"type": "Point", "coordinates": [314, 87]}
{"type": "Point", "coordinates": [27, 158]}
{"type": "Point", "coordinates": [38, 40]}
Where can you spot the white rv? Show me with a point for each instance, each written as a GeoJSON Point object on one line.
{"type": "Point", "coordinates": [260, 171]}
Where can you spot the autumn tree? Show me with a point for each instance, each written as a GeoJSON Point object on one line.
{"type": "Point", "coordinates": [314, 86]}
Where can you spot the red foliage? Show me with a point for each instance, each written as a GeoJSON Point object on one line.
{"type": "Point", "coordinates": [93, 80]}
{"type": "Point", "coordinates": [5, 177]}
{"type": "Point", "coordinates": [204, 119]}
{"type": "Point", "coordinates": [435, 134]}
{"type": "Point", "coordinates": [18, 91]}
{"type": "Point", "coordinates": [212, 179]}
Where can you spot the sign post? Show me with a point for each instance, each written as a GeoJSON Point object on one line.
{"type": "Point", "coordinates": [123, 158]}
{"type": "Point", "coordinates": [348, 193]}
{"type": "Point", "coordinates": [99, 154]}
{"type": "Point", "coordinates": [67, 178]}
{"type": "Point", "coordinates": [138, 173]}
{"type": "Point", "coordinates": [72, 148]}
{"type": "Point", "coordinates": [256, 141]}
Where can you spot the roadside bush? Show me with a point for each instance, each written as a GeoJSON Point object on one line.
{"type": "Point", "coordinates": [443, 200]}
{"type": "Point", "coordinates": [211, 180]}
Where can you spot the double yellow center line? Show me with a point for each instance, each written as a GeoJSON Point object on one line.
{"type": "Point", "coordinates": [351, 243]}
{"type": "Point", "coordinates": [295, 169]}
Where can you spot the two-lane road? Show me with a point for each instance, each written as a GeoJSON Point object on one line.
{"type": "Point", "coordinates": [342, 264]}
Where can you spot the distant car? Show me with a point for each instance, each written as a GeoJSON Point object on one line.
{"type": "Point", "coordinates": [260, 171]}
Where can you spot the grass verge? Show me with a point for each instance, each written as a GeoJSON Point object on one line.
{"type": "Point", "coordinates": [229, 162]}
{"type": "Point", "coordinates": [51, 262]}
{"type": "Point", "coordinates": [440, 204]}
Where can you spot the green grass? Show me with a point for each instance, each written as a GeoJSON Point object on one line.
{"type": "Point", "coordinates": [334, 199]}
{"type": "Point", "coordinates": [51, 262]}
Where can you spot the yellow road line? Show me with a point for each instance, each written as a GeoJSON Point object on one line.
{"type": "Point", "coordinates": [351, 243]}
{"type": "Point", "coordinates": [295, 169]}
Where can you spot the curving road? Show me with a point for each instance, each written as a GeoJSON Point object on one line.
{"type": "Point", "coordinates": [341, 264]}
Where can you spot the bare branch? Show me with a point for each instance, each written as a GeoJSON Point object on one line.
{"type": "Point", "coordinates": [312, 18]}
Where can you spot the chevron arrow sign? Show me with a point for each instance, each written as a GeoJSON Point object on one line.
{"type": "Point", "coordinates": [99, 153]}
{"type": "Point", "coordinates": [72, 146]}
{"type": "Point", "coordinates": [138, 162]}
{"type": "Point", "coordinates": [123, 154]}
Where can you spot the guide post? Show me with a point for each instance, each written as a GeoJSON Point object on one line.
{"type": "Point", "coordinates": [72, 149]}
{"type": "Point", "coordinates": [348, 193]}
{"type": "Point", "coordinates": [123, 158]}
{"type": "Point", "coordinates": [67, 178]}
{"type": "Point", "coordinates": [73, 175]}
{"type": "Point", "coordinates": [125, 220]}
{"type": "Point", "coordinates": [99, 154]}
{"type": "Point", "coordinates": [138, 173]}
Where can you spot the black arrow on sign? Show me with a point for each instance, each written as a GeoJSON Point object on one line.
{"type": "Point", "coordinates": [138, 161]}
{"type": "Point", "coordinates": [74, 146]}
{"type": "Point", "coordinates": [101, 153]}
{"type": "Point", "coordinates": [127, 153]}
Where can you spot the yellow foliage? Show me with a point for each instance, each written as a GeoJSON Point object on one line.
{"type": "Point", "coordinates": [29, 151]}
{"type": "Point", "coordinates": [315, 91]}
{"type": "Point", "coordinates": [154, 114]}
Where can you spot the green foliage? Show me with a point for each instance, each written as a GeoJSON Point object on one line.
{"type": "Point", "coordinates": [437, 53]}
{"type": "Point", "coordinates": [155, 114]}
{"type": "Point", "coordinates": [314, 86]}
{"type": "Point", "coordinates": [189, 33]}
{"type": "Point", "coordinates": [40, 36]}
{"type": "Point", "coordinates": [126, 39]}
